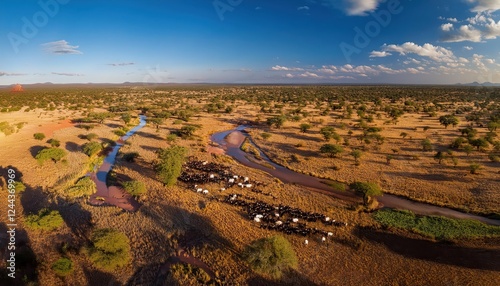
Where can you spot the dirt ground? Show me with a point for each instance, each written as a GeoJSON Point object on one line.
{"type": "Point", "coordinates": [215, 233]}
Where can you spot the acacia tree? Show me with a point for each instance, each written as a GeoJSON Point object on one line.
{"type": "Point", "coordinates": [169, 167]}
{"type": "Point", "coordinates": [331, 150]}
{"type": "Point", "coordinates": [271, 256]}
{"type": "Point", "coordinates": [447, 120]}
{"type": "Point", "coordinates": [304, 127]}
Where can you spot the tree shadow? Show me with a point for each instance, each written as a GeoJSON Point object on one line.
{"type": "Point", "coordinates": [75, 217]}
{"type": "Point", "coordinates": [149, 135]}
{"type": "Point", "coordinates": [439, 252]}
{"type": "Point", "coordinates": [26, 262]}
{"type": "Point", "coordinates": [34, 199]}
{"type": "Point", "coordinates": [150, 148]}
{"type": "Point", "coordinates": [35, 149]}
{"type": "Point", "coordinates": [98, 278]}
{"type": "Point", "coordinates": [72, 147]}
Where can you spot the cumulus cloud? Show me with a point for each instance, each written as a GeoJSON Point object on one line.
{"type": "Point", "coordinates": [436, 53]}
{"type": "Point", "coordinates": [66, 74]}
{"type": "Point", "coordinates": [464, 33]}
{"type": "Point", "coordinates": [379, 54]}
{"type": "Point", "coordinates": [303, 8]}
{"type": "Point", "coordinates": [447, 27]}
{"type": "Point", "coordinates": [61, 47]}
{"type": "Point", "coordinates": [468, 48]}
{"type": "Point", "coordinates": [485, 5]}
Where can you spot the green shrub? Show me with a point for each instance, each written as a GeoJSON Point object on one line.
{"type": "Point", "coordinates": [19, 187]}
{"type": "Point", "coordinates": [6, 128]}
{"type": "Point", "coordinates": [91, 136]}
{"type": "Point", "coordinates": [54, 143]}
{"type": "Point", "coordinates": [39, 136]}
{"type": "Point", "coordinates": [45, 220]}
{"type": "Point", "coordinates": [63, 267]}
{"type": "Point", "coordinates": [135, 188]}
{"type": "Point", "coordinates": [54, 154]}
{"type": "Point", "coordinates": [82, 188]}
{"type": "Point", "coordinates": [271, 256]}
{"type": "Point", "coordinates": [92, 148]}
{"type": "Point", "coordinates": [120, 132]}
{"type": "Point", "coordinates": [171, 137]}
{"type": "Point", "coordinates": [170, 163]}
{"type": "Point", "coordinates": [109, 250]}
{"type": "Point", "coordinates": [437, 227]}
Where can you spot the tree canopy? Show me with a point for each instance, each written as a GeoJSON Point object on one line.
{"type": "Point", "coordinates": [169, 166]}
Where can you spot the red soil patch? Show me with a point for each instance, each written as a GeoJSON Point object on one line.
{"type": "Point", "coordinates": [49, 129]}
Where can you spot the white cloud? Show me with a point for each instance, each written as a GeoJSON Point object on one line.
{"type": "Point", "coordinates": [61, 47]}
{"type": "Point", "coordinates": [468, 48]}
{"type": "Point", "coordinates": [447, 27]}
{"type": "Point", "coordinates": [379, 54]}
{"type": "Point", "coordinates": [354, 7]}
{"type": "Point", "coordinates": [10, 74]}
{"type": "Point", "coordinates": [485, 5]}
{"type": "Point", "coordinates": [492, 29]}
{"type": "Point", "coordinates": [282, 68]}
{"type": "Point", "coordinates": [303, 8]}
{"type": "Point", "coordinates": [454, 20]}
{"type": "Point", "coordinates": [310, 75]}
{"type": "Point", "coordinates": [465, 33]}
{"type": "Point", "coordinates": [435, 53]}
{"type": "Point", "coordinates": [67, 74]}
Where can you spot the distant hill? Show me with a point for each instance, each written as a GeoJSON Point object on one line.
{"type": "Point", "coordinates": [479, 84]}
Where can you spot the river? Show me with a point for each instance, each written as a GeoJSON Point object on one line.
{"type": "Point", "coordinates": [232, 148]}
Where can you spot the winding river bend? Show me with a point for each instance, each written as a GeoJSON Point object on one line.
{"type": "Point", "coordinates": [232, 148]}
{"type": "Point", "coordinates": [114, 195]}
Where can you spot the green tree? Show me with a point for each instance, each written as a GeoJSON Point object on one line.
{"type": "Point", "coordinates": [277, 121]}
{"type": "Point", "coordinates": [39, 136]}
{"type": "Point", "coordinates": [271, 256]}
{"type": "Point", "coordinates": [356, 154]}
{"type": "Point", "coordinates": [187, 131]}
{"type": "Point", "coordinates": [479, 143]}
{"type": "Point", "coordinates": [157, 121]}
{"type": "Point", "coordinates": [135, 188]}
{"type": "Point", "coordinates": [327, 132]}
{"type": "Point", "coordinates": [304, 127]}
{"type": "Point", "coordinates": [474, 168]}
{"type": "Point", "coordinates": [331, 150]}
{"type": "Point", "coordinates": [468, 149]}
{"type": "Point", "coordinates": [367, 190]}
{"type": "Point", "coordinates": [126, 117]}
{"type": "Point", "coordinates": [54, 154]}
{"type": "Point", "coordinates": [109, 250]}
{"type": "Point", "coordinates": [169, 167]}
{"type": "Point", "coordinates": [91, 148]}
{"type": "Point", "coordinates": [447, 120]}
{"type": "Point", "coordinates": [265, 135]}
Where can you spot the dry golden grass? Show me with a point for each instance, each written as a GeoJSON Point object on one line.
{"type": "Point", "coordinates": [173, 217]}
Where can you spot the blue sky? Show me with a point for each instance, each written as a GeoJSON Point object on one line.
{"type": "Point", "coordinates": [250, 41]}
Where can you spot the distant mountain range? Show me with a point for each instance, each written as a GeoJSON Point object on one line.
{"type": "Point", "coordinates": [479, 84]}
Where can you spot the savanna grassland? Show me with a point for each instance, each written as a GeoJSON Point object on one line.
{"type": "Point", "coordinates": [437, 145]}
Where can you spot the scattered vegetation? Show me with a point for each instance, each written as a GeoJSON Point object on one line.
{"type": "Point", "coordinates": [271, 256]}
{"type": "Point", "coordinates": [169, 166]}
{"type": "Point", "coordinates": [45, 220]}
{"type": "Point", "coordinates": [63, 267]}
{"type": "Point", "coordinates": [436, 227]}
{"type": "Point", "coordinates": [39, 136]}
{"type": "Point", "coordinates": [109, 249]}
{"type": "Point", "coordinates": [135, 188]}
{"type": "Point", "coordinates": [54, 154]}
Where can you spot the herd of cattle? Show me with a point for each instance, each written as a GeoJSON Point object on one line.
{"type": "Point", "coordinates": [281, 218]}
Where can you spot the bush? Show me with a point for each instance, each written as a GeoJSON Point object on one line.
{"type": "Point", "coordinates": [39, 136]}
{"type": "Point", "coordinates": [45, 220]}
{"type": "Point", "coordinates": [54, 143]}
{"type": "Point", "coordinates": [120, 132]}
{"type": "Point", "coordinates": [83, 187]}
{"type": "Point", "coordinates": [474, 168]}
{"type": "Point", "coordinates": [271, 256]}
{"type": "Point", "coordinates": [54, 154]}
{"type": "Point", "coordinates": [265, 135]}
{"type": "Point", "coordinates": [110, 249]}
{"type": "Point", "coordinates": [92, 148]}
{"type": "Point", "coordinates": [63, 267]}
{"type": "Point", "coordinates": [135, 188]}
{"type": "Point", "coordinates": [169, 167]}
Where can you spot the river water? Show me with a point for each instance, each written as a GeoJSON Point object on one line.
{"type": "Point", "coordinates": [288, 176]}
